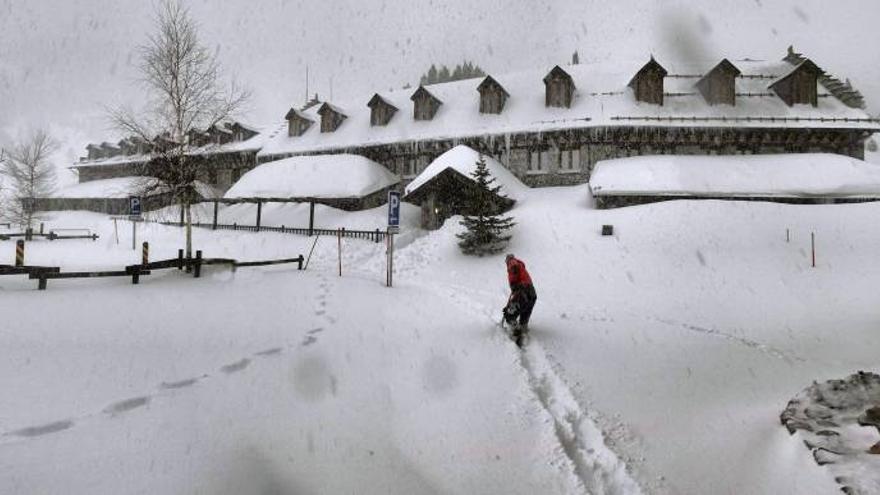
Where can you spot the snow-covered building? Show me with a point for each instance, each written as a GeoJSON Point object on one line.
{"type": "Point", "coordinates": [230, 147]}
{"type": "Point", "coordinates": [548, 127]}
{"type": "Point", "coordinates": [791, 178]}
{"type": "Point", "coordinates": [440, 188]}
{"type": "Point", "coordinates": [111, 195]}
{"type": "Point", "coordinates": [347, 182]}
{"type": "Point", "coordinates": [551, 127]}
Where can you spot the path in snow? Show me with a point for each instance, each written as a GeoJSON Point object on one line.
{"type": "Point", "coordinates": [592, 461]}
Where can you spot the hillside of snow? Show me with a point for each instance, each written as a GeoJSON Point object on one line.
{"type": "Point", "coordinates": [660, 358]}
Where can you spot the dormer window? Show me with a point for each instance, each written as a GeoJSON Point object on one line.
{"type": "Point", "coordinates": [380, 110]}
{"type": "Point", "coordinates": [331, 117]}
{"type": "Point", "coordinates": [492, 96]}
{"type": "Point", "coordinates": [297, 123]}
{"type": "Point", "coordinates": [799, 86]}
{"type": "Point", "coordinates": [425, 105]}
{"type": "Point", "coordinates": [718, 86]}
{"type": "Point", "coordinates": [94, 152]}
{"type": "Point", "coordinates": [647, 84]}
{"type": "Point", "coordinates": [558, 88]}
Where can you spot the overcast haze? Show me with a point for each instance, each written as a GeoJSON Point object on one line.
{"type": "Point", "coordinates": [60, 62]}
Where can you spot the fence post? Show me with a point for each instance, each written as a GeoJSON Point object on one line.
{"type": "Point", "coordinates": [41, 281]}
{"type": "Point", "coordinates": [197, 271]}
{"type": "Point", "coordinates": [19, 253]}
{"type": "Point", "coordinates": [299, 263]}
{"type": "Point", "coordinates": [135, 274]}
{"type": "Point", "coordinates": [339, 248]}
{"type": "Point", "coordinates": [180, 259]}
{"type": "Point", "coordinates": [41, 228]}
{"type": "Point", "coordinates": [377, 236]}
{"type": "Point", "coordinates": [181, 214]}
{"type": "Point", "coordinates": [214, 226]}
{"type": "Point", "coordinates": [29, 234]}
{"type": "Point", "coordinates": [259, 213]}
{"type": "Point", "coordinates": [311, 218]}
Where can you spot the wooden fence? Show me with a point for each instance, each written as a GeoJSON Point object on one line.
{"type": "Point", "coordinates": [369, 235]}
{"type": "Point", "coordinates": [43, 273]}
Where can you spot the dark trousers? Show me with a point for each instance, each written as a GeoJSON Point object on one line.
{"type": "Point", "coordinates": [528, 297]}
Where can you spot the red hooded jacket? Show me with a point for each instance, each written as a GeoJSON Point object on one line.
{"type": "Point", "coordinates": [517, 274]}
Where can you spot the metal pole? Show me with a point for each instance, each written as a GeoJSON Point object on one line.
{"type": "Point", "coordinates": [133, 235]}
{"type": "Point", "coordinates": [787, 235]}
{"type": "Point", "coordinates": [311, 217]}
{"type": "Point", "coordinates": [116, 231]}
{"type": "Point", "coordinates": [339, 248]}
{"type": "Point", "coordinates": [214, 226]}
{"type": "Point", "coordinates": [310, 252]}
{"type": "Point", "coordinates": [259, 213]}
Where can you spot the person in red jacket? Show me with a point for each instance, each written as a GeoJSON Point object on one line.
{"type": "Point", "coordinates": [522, 294]}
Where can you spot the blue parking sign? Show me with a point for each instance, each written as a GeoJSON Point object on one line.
{"type": "Point", "coordinates": [134, 206]}
{"type": "Point", "coordinates": [393, 208]}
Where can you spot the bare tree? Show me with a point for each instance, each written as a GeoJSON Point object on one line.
{"type": "Point", "coordinates": [183, 82]}
{"type": "Point", "coordinates": [29, 174]}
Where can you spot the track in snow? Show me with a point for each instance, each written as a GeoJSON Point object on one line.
{"type": "Point", "coordinates": [596, 465]}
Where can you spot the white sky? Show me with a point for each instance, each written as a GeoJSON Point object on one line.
{"type": "Point", "coordinates": [61, 61]}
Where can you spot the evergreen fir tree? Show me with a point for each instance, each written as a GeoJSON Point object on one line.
{"type": "Point", "coordinates": [486, 228]}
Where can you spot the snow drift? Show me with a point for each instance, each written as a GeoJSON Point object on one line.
{"type": "Point", "coordinates": [788, 175]}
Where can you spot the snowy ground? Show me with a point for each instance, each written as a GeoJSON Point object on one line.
{"type": "Point", "coordinates": [660, 358]}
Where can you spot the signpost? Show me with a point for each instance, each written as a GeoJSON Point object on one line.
{"type": "Point", "coordinates": [134, 214]}
{"type": "Point", "coordinates": [393, 228]}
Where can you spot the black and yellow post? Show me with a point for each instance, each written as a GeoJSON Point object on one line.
{"type": "Point", "coordinates": [19, 253]}
{"type": "Point", "coordinates": [145, 255]}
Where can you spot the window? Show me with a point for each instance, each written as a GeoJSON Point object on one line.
{"type": "Point", "coordinates": [539, 162]}
{"type": "Point", "coordinates": [570, 161]}
{"type": "Point", "coordinates": [411, 167]}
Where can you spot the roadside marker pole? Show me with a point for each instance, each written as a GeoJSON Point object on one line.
{"type": "Point", "coordinates": [116, 231]}
{"type": "Point", "coordinates": [19, 253]}
{"type": "Point", "coordinates": [145, 255]}
{"type": "Point", "coordinates": [813, 245]}
{"type": "Point", "coordinates": [787, 235]}
{"type": "Point", "coordinates": [339, 248]}
{"type": "Point", "coordinates": [133, 235]}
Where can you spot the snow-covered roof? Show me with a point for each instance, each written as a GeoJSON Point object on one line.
{"type": "Point", "coordinates": [463, 159]}
{"type": "Point", "coordinates": [123, 187]}
{"type": "Point", "coordinates": [252, 144]}
{"type": "Point", "coordinates": [784, 175]}
{"type": "Point", "coordinates": [602, 98]}
{"type": "Point", "coordinates": [317, 176]}
{"type": "Point", "coordinates": [119, 187]}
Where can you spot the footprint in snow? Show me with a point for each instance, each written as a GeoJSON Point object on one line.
{"type": "Point", "coordinates": [269, 352]}
{"type": "Point", "coordinates": [315, 330]}
{"type": "Point", "coordinates": [309, 341]}
{"type": "Point", "coordinates": [35, 431]}
{"type": "Point", "coordinates": [126, 405]}
{"type": "Point", "coordinates": [236, 366]}
{"type": "Point", "coordinates": [179, 384]}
